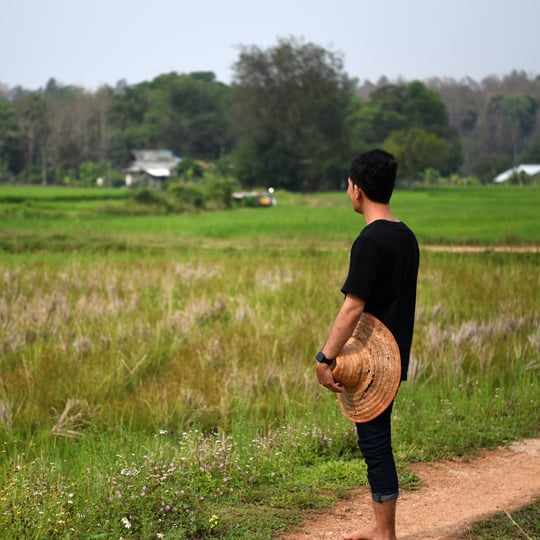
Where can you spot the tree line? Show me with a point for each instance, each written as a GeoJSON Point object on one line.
{"type": "Point", "coordinates": [291, 118]}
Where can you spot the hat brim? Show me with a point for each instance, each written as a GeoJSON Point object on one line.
{"type": "Point", "coordinates": [369, 370]}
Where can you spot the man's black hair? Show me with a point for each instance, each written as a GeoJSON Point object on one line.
{"type": "Point", "coordinates": [375, 172]}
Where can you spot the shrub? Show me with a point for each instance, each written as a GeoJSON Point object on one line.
{"type": "Point", "coordinates": [220, 190]}
{"type": "Point", "coordinates": [90, 171]}
{"type": "Point", "coordinates": [189, 194]}
{"type": "Point", "coordinates": [152, 198]}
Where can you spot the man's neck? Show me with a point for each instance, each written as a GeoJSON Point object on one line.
{"type": "Point", "coordinates": [375, 211]}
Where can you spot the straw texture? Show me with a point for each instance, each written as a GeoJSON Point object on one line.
{"type": "Point", "coordinates": [369, 370]}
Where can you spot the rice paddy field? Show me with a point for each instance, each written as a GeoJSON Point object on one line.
{"type": "Point", "coordinates": [157, 370]}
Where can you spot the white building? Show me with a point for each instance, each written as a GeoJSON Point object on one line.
{"type": "Point", "coordinates": [531, 170]}
{"type": "Point", "coordinates": [151, 167]}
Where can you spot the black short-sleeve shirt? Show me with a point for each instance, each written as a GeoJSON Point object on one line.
{"type": "Point", "coordinates": [383, 272]}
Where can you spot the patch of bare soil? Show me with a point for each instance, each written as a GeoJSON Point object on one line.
{"type": "Point", "coordinates": [455, 494]}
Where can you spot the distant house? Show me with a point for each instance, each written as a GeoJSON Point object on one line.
{"type": "Point", "coordinates": [150, 167]}
{"type": "Point", "coordinates": [530, 170]}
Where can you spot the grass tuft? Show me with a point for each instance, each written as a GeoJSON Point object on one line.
{"type": "Point", "coordinates": [157, 372]}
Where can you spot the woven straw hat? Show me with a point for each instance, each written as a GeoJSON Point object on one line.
{"type": "Point", "coordinates": [369, 370]}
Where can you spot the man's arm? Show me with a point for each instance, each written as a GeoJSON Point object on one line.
{"type": "Point", "coordinates": [342, 329]}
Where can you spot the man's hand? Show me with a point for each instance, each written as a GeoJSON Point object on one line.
{"type": "Point", "coordinates": [324, 374]}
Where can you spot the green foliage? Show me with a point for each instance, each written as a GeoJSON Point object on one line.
{"type": "Point", "coordinates": [30, 112]}
{"type": "Point", "coordinates": [508, 119]}
{"type": "Point", "coordinates": [410, 121]}
{"type": "Point", "coordinates": [487, 166]}
{"type": "Point", "coordinates": [6, 176]}
{"type": "Point", "coordinates": [531, 150]}
{"type": "Point", "coordinates": [290, 104]}
{"type": "Point", "coordinates": [431, 176]}
{"type": "Point", "coordinates": [64, 175]}
{"type": "Point", "coordinates": [150, 196]}
{"type": "Point", "coordinates": [123, 416]}
{"type": "Point", "coordinates": [401, 107]}
{"type": "Point", "coordinates": [221, 189]}
{"type": "Point", "coordinates": [523, 523]}
{"type": "Point", "coordinates": [190, 193]}
{"type": "Point", "coordinates": [425, 108]}
{"type": "Point", "coordinates": [523, 179]}
{"type": "Point", "coordinates": [10, 152]}
{"type": "Point", "coordinates": [417, 149]}
{"type": "Point", "coordinates": [171, 485]}
{"type": "Point", "coordinates": [519, 109]}
{"type": "Point", "coordinates": [89, 172]}
{"type": "Point", "coordinates": [185, 113]}
{"type": "Point", "coordinates": [292, 119]}
{"type": "Point", "coordinates": [189, 169]}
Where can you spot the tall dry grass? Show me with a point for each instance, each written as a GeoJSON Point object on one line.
{"type": "Point", "coordinates": [168, 343]}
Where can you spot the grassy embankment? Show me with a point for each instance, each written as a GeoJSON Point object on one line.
{"type": "Point", "coordinates": [157, 370]}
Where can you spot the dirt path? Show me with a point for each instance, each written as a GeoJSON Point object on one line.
{"type": "Point", "coordinates": [482, 249]}
{"type": "Point", "coordinates": [455, 495]}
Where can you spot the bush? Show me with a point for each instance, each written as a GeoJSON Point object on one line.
{"type": "Point", "coordinates": [523, 179]}
{"type": "Point", "coordinates": [190, 194]}
{"type": "Point", "coordinates": [431, 176]}
{"type": "Point", "coordinates": [189, 168]}
{"type": "Point", "coordinates": [152, 197]}
{"type": "Point", "coordinates": [90, 171]}
{"type": "Point", "coordinates": [220, 190]}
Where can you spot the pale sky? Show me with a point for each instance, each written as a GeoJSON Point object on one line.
{"type": "Point", "coordinates": [89, 43]}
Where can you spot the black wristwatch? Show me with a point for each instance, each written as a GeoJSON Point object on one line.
{"type": "Point", "coordinates": [321, 358]}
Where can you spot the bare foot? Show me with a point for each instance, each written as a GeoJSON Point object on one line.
{"type": "Point", "coordinates": [367, 533]}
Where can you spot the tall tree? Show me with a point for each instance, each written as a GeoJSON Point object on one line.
{"type": "Point", "coordinates": [187, 114]}
{"type": "Point", "coordinates": [519, 111]}
{"type": "Point", "coordinates": [416, 150]}
{"type": "Point", "coordinates": [290, 109]}
{"type": "Point", "coordinates": [77, 130]}
{"type": "Point", "coordinates": [11, 156]}
{"type": "Point", "coordinates": [506, 121]}
{"type": "Point", "coordinates": [30, 112]}
{"type": "Point", "coordinates": [409, 118]}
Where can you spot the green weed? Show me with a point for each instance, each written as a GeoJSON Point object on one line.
{"type": "Point", "coordinates": [157, 372]}
{"type": "Point", "coordinates": [524, 523]}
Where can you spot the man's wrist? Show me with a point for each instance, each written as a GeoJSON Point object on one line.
{"type": "Point", "coordinates": [322, 359]}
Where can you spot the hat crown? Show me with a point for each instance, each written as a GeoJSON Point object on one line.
{"type": "Point", "coordinates": [352, 368]}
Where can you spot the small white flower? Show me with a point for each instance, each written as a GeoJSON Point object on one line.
{"type": "Point", "coordinates": [126, 523]}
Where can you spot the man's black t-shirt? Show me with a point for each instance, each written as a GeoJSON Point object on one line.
{"type": "Point", "coordinates": [383, 271]}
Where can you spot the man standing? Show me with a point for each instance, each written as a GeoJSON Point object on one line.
{"type": "Point", "coordinates": [382, 279]}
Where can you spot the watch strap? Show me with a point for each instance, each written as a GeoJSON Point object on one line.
{"type": "Point", "coordinates": [321, 358]}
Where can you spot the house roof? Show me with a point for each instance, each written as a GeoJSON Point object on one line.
{"type": "Point", "coordinates": [530, 169]}
{"type": "Point", "coordinates": [157, 163]}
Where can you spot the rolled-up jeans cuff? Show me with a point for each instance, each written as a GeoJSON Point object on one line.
{"type": "Point", "coordinates": [384, 497]}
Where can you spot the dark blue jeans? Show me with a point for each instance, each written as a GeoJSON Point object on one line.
{"type": "Point", "coordinates": [375, 442]}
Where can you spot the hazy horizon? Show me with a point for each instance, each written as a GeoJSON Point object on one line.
{"type": "Point", "coordinates": [91, 44]}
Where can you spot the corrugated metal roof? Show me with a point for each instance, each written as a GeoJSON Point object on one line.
{"type": "Point", "coordinates": [157, 172]}
{"type": "Point", "coordinates": [156, 163]}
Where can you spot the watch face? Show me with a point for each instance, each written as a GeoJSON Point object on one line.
{"type": "Point", "coordinates": [321, 358]}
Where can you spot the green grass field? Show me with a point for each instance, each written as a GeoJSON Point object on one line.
{"type": "Point", "coordinates": [157, 370]}
{"type": "Point", "coordinates": [82, 219]}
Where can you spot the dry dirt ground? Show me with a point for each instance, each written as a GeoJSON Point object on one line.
{"type": "Point", "coordinates": [454, 495]}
